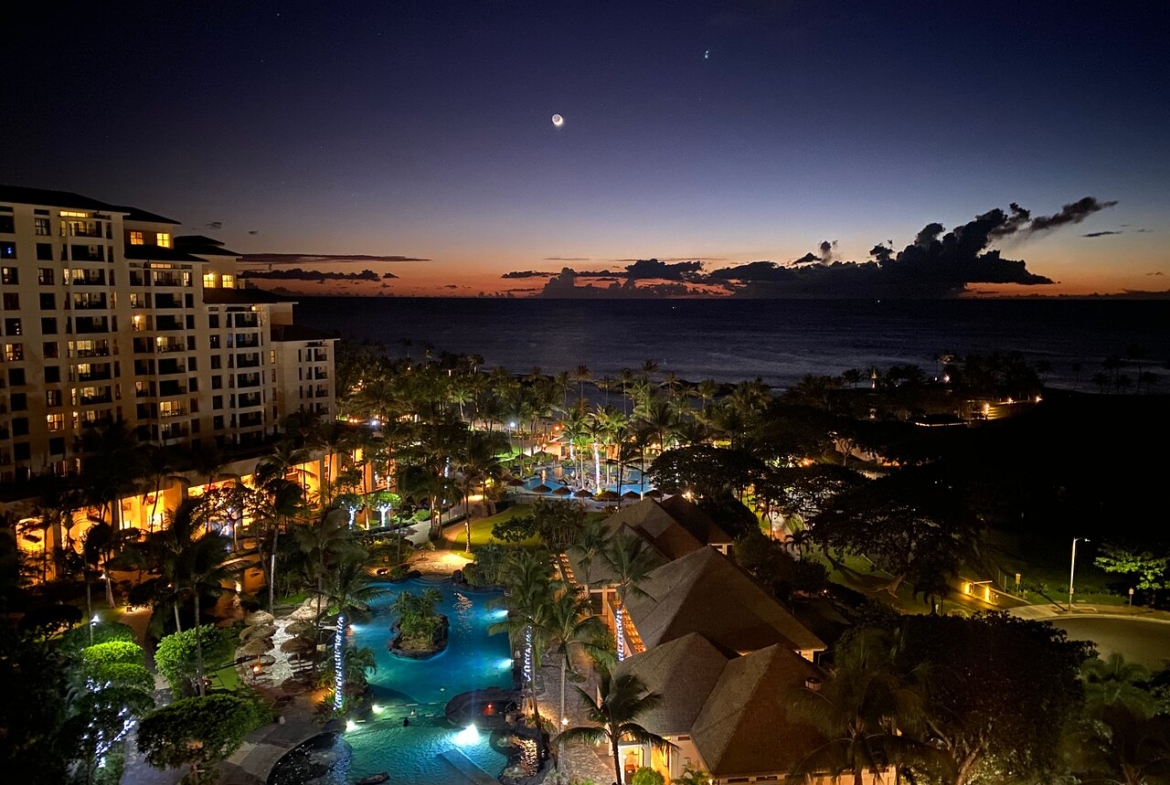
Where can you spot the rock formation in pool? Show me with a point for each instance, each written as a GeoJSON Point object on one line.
{"type": "Point", "coordinates": [420, 631]}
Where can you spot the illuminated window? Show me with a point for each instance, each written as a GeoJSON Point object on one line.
{"type": "Point", "coordinates": [73, 214]}
{"type": "Point", "coordinates": [229, 281]}
{"type": "Point", "coordinates": [14, 352]}
{"type": "Point", "coordinates": [136, 238]}
{"type": "Point", "coordinates": [209, 281]}
{"type": "Point", "coordinates": [42, 225]}
{"type": "Point", "coordinates": [164, 240]}
{"type": "Point", "coordinates": [56, 421]}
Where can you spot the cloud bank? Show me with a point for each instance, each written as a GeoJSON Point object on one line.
{"type": "Point", "coordinates": [937, 264]}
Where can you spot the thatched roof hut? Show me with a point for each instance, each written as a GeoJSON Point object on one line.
{"type": "Point", "coordinates": [259, 631]}
{"type": "Point", "coordinates": [258, 618]}
{"type": "Point", "coordinates": [257, 646]}
{"type": "Point", "coordinates": [299, 627]}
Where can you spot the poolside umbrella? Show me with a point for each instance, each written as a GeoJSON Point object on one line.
{"type": "Point", "coordinates": [606, 496]}
{"type": "Point", "coordinates": [299, 627]}
{"type": "Point", "coordinates": [513, 482]}
{"type": "Point", "coordinates": [562, 491]}
{"type": "Point", "coordinates": [584, 493]}
{"type": "Point", "coordinates": [631, 495]}
{"type": "Point", "coordinates": [299, 646]}
{"type": "Point", "coordinates": [259, 631]}
{"type": "Point", "coordinates": [542, 488]}
{"type": "Point", "coordinates": [258, 618]}
{"type": "Point", "coordinates": [654, 493]}
{"type": "Point", "coordinates": [257, 646]}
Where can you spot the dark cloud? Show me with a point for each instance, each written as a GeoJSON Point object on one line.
{"type": "Point", "coordinates": [389, 275]}
{"type": "Point", "coordinates": [450, 286]}
{"type": "Point", "coordinates": [565, 259]}
{"type": "Point", "coordinates": [527, 274]}
{"type": "Point", "coordinates": [1101, 234]}
{"type": "Point", "coordinates": [213, 225]}
{"type": "Point", "coordinates": [1156, 272]}
{"type": "Point", "coordinates": [808, 258]}
{"type": "Point", "coordinates": [1072, 213]}
{"type": "Point", "coordinates": [654, 269]}
{"type": "Point", "coordinates": [298, 274]}
{"type": "Point", "coordinates": [253, 231]}
{"type": "Point", "coordinates": [300, 258]}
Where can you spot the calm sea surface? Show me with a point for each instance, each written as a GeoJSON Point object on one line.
{"type": "Point", "coordinates": [732, 340]}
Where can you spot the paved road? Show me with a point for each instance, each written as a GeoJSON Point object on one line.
{"type": "Point", "coordinates": [1139, 640]}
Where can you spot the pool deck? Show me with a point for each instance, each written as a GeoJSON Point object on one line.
{"type": "Point", "coordinates": [253, 761]}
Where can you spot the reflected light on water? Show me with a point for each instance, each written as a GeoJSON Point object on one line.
{"type": "Point", "coordinates": [467, 736]}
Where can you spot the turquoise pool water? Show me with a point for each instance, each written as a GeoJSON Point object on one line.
{"type": "Point", "coordinates": [420, 690]}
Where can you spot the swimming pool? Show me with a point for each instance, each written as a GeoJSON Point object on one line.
{"type": "Point", "coordinates": [420, 689]}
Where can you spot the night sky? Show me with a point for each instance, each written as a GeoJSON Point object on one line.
{"type": "Point", "coordinates": [726, 132]}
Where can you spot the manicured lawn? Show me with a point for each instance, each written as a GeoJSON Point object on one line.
{"type": "Point", "coordinates": [481, 530]}
{"type": "Point", "coordinates": [226, 678]}
{"type": "Point", "coordinates": [1043, 565]}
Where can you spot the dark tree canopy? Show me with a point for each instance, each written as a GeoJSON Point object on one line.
{"type": "Point", "coordinates": [1000, 692]}
{"type": "Point", "coordinates": [705, 470]}
{"type": "Point", "coordinates": [911, 524]}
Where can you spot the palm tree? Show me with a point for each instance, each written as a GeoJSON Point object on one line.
{"type": "Point", "coordinates": [349, 590]}
{"type": "Point", "coordinates": [477, 463]}
{"type": "Point", "coordinates": [629, 558]}
{"type": "Point", "coordinates": [591, 542]}
{"type": "Point", "coordinates": [615, 717]}
{"type": "Point", "coordinates": [861, 711]}
{"type": "Point", "coordinates": [566, 622]}
{"type": "Point", "coordinates": [529, 591]}
{"type": "Point", "coordinates": [1124, 746]}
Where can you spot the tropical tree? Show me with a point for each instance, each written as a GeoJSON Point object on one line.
{"type": "Point", "coordinates": [196, 732]}
{"type": "Point", "coordinates": [629, 560]}
{"type": "Point", "coordinates": [591, 543]}
{"type": "Point", "coordinates": [564, 623]}
{"type": "Point", "coordinates": [529, 591]}
{"type": "Point", "coordinates": [862, 711]}
{"type": "Point", "coordinates": [615, 716]}
{"type": "Point", "coordinates": [348, 590]}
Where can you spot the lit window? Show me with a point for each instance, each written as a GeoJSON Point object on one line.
{"type": "Point", "coordinates": [136, 238]}
{"type": "Point", "coordinates": [164, 240]}
{"type": "Point", "coordinates": [209, 281]}
{"type": "Point", "coordinates": [73, 214]}
{"type": "Point", "coordinates": [56, 421]}
{"type": "Point", "coordinates": [42, 225]}
{"type": "Point", "coordinates": [229, 281]}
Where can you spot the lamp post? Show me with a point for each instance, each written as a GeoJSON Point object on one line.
{"type": "Point", "coordinates": [1072, 570]}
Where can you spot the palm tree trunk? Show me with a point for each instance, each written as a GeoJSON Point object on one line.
{"type": "Point", "coordinates": [617, 763]}
{"type": "Point", "coordinates": [88, 604]}
{"type": "Point", "coordinates": [178, 624]}
{"type": "Point", "coordinates": [564, 665]}
{"type": "Point", "coordinates": [339, 663]}
{"type": "Point", "coordinates": [272, 569]}
{"type": "Point", "coordinates": [198, 646]}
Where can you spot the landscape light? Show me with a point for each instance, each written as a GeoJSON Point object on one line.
{"type": "Point", "coordinates": [350, 725]}
{"type": "Point", "coordinates": [467, 736]}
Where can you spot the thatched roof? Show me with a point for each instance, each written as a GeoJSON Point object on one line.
{"type": "Point", "coordinates": [700, 525]}
{"type": "Point", "coordinates": [299, 627]}
{"type": "Point", "coordinates": [606, 496]}
{"type": "Point", "coordinates": [744, 728]}
{"type": "Point", "coordinates": [683, 673]}
{"type": "Point", "coordinates": [259, 631]}
{"type": "Point", "coordinates": [257, 646]}
{"type": "Point", "coordinates": [657, 527]}
{"type": "Point", "coordinates": [584, 493]}
{"type": "Point", "coordinates": [706, 592]}
{"type": "Point", "coordinates": [542, 488]}
{"type": "Point", "coordinates": [259, 617]}
{"type": "Point", "coordinates": [653, 493]}
{"type": "Point", "coordinates": [298, 645]}
{"type": "Point", "coordinates": [563, 490]}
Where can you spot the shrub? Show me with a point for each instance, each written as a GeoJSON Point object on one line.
{"type": "Point", "coordinates": [121, 674]}
{"type": "Point", "coordinates": [112, 652]}
{"type": "Point", "coordinates": [196, 732]}
{"type": "Point", "coordinates": [78, 638]}
{"type": "Point", "coordinates": [645, 776]}
{"type": "Point", "coordinates": [176, 654]}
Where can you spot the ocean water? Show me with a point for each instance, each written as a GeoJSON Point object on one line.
{"type": "Point", "coordinates": [778, 341]}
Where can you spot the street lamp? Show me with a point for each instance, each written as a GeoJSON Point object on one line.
{"type": "Point", "coordinates": [1073, 569]}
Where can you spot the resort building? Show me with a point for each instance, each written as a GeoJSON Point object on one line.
{"type": "Point", "coordinates": [107, 314]}
{"type": "Point", "coordinates": [725, 655]}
